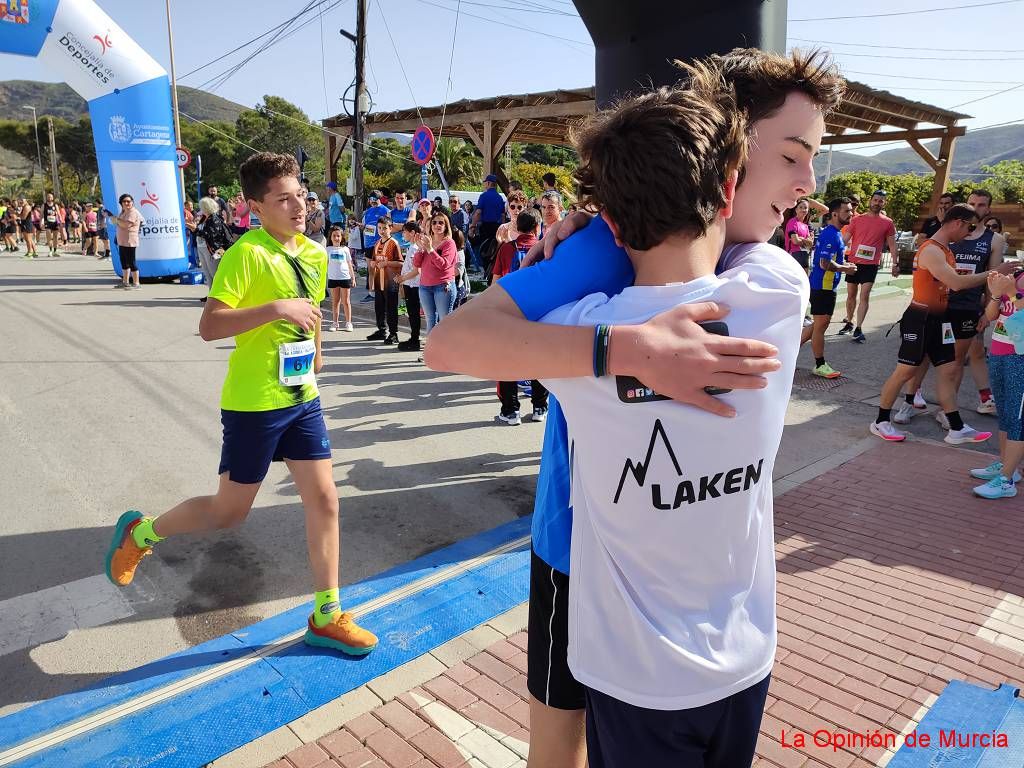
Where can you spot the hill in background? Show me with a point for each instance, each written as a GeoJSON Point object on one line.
{"type": "Point", "coordinates": [977, 148]}
{"type": "Point", "coordinates": [59, 100]}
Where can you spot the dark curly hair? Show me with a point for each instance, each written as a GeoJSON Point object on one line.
{"type": "Point", "coordinates": [256, 172]}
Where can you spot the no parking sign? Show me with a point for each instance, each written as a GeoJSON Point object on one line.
{"type": "Point", "coordinates": [423, 145]}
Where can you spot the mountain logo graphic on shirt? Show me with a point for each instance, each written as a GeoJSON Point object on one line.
{"type": "Point", "coordinates": [686, 490]}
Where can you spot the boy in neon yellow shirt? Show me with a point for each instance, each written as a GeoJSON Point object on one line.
{"type": "Point", "coordinates": [266, 294]}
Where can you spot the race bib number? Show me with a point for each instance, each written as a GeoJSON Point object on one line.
{"type": "Point", "coordinates": [947, 334]}
{"type": "Point", "coordinates": [370, 230]}
{"type": "Point", "coordinates": [865, 253]}
{"type": "Point", "coordinates": [964, 269]}
{"type": "Point", "coordinates": [297, 363]}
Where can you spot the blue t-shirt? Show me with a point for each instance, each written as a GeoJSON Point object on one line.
{"type": "Point", "coordinates": [492, 208]}
{"type": "Point", "coordinates": [336, 209]}
{"type": "Point", "coordinates": [588, 262]}
{"type": "Point", "coordinates": [370, 217]}
{"type": "Point", "coordinates": [829, 247]}
{"type": "Point", "coordinates": [399, 216]}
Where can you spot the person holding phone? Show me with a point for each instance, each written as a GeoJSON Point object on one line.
{"type": "Point", "coordinates": [129, 223]}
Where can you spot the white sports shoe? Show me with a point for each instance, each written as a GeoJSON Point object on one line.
{"type": "Point", "coordinates": [512, 421]}
{"type": "Point", "coordinates": [940, 417]}
{"type": "Point", "coordinates": [887, 431]}
{"type": "Point", "coordinates": [919, 402]}
{"type": "Point", "coordinates": [966, 435]}
{"type": "Point", "coordinates": [347, 327]}
{"type": "Point", "coordinates": [988, 407]}
{"type": "Point", "coordinates": [904, 414]}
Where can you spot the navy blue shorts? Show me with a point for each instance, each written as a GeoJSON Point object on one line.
{"type": "Point", "coordinates": [722, 734]}
{"type": "Point", "coordinates": [253, 439]}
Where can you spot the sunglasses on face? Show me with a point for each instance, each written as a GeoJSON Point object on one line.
{"type": "Point", "coordinates": [971, 227]}
{"type": "Point", "coordinates": [515, 207]}
{"type": "Point", "coordinates": [993, 226]}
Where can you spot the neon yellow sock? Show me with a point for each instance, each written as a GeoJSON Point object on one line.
{"type": "Point", "coordinates": [326, 606]}
{"type": "Point", "coordinates": [144, 535]}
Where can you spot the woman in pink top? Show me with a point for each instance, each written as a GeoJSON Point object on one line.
{"type": "Point", "coordinates": [1006, 372]}
{"type": "Point", "coordinates": [436, 259]}
{"type": "Point", "coordinates": [242, 217]}
{"type": "Point", "coordinates": [798, 234]}
{"type": "Point", "coordinates": [129, 222]}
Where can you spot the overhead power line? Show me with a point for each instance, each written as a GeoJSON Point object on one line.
{"type": "Point", "coordinates": [907, 13]}
{"type": "Point", "coordinates": [931, 79]}
{"type": "Point", "coordinates": [990, 96]}
{"type": "Point", "coordinates": [903, 47]}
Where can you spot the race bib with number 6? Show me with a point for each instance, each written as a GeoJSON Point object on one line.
{"type": "Point", "coordinates": [296, 360]}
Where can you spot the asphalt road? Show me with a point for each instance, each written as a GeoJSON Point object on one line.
{"type": "Point", "coordinates": [109, 401]}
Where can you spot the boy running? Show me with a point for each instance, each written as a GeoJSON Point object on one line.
{"type": "Point", "coordinates": [266, 294]}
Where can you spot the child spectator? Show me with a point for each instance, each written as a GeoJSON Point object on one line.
{"type": "Point", "coordinates": [340, 273]}
{"type": "Point", "coordinates": [410, 282]}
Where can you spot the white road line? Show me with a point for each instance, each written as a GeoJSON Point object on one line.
{"type": "Point", "coordinates": [157, 695]}
{"type": "Point", "coordinates": [49, 614]}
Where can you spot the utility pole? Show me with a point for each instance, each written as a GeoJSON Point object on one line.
{"type": "Point", "coordinates": [39, 154]}
{"type": "Point", "coordinates": [174, 101]}
{"type": "Point", "coordinates": [361, 105]}
{"type": "Point", "coordinates": [53, 160]}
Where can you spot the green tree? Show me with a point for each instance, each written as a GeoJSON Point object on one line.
{"type": "Point", "coordinates": [1006, 182]}
{"type": "Point", "coordinates": [460, 162]}
{"type": "Point", "coordinates": [277, 125]}
{"type": "Point", "coordinates": [529, 175]}
{"type": "Point", "coordinates": [217, 151]}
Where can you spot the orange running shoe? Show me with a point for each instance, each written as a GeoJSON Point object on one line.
{"type": "Point", "coordinates": [124, 554]}
{"type": "Point", "coordinates": [342, 634]}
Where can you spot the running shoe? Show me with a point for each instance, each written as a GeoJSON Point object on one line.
{"type": "Point", "coordinates": [808, 322]}
{"type": "Point", "coordinates": [377, 335]}
{"type": "Point", "coordinates": [366, 299]}
{"type": "Point", "coordinates": [334, 326]}
{"type": "Point", "coordinates": [940, 417]}
{"type": "Point", "coordinates": [826, 371]}
{"type": "Point", "coordinates": [988, 407]}
{"type": "Point", "coordinates": [847, 327]}
{"type": "Point", "coordinates": [904, 414]}
{"type": "Point", "coordinates": [966, 435]}
{"type": "Point", "coordinates": [887, 431]}
{"type": "Point", "coordinates": [919, 402]}
{"type": "Point", "coordinates": [124, 554]}
{"type": "Point", "coordinates": [348, 327]}
{"type": "Point", "coordinates": [859, 337]}
{"type": "Point", "coordinates": [512, 420]}
{"type": "Point", "coordinates": [392, 339]}
{"type": "Point", "coordinates": [342, 634]}
{"type": "Point", "coordinates": [995, 469]}
{"type": "Point", "coordinates": [539, 414]}
{"type": "Point", "coordinates": [997, 488]}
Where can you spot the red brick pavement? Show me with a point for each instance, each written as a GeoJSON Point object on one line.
{"type": "Point", "coordinates": [888, 568]}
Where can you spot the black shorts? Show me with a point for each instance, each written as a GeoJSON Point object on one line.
{"type": "Point", "coordinates": [127, 255]}
{"type": "Point", "coordinates": [823, 302]}
{"type": "Point", "coordinates": [924, 336]}
{"type": "Point", "coordinates": [722, 734]}
{"type": "Point", "coordinates": [104, 235]}
{"type": "Point", "coordinates": [803, 258]}
{"type": "Point", "coordinates": [339, 283]}
{"type": "Point", "coordinates": [964, 322]}
{"type": "Point", "coordinates": [866, 273]}
{"type": "Point", "coordinates": [52, 226]}
{"type": "Point", "coordinates": [548, 677]}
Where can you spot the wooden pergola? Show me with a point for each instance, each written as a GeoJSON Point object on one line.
{"type": "Point", "coordinates": [865, 116]}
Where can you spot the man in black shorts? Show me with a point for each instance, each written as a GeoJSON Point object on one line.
{"type": "Point", "coordinates": [51, 222]}
{"type": "Point", "coordinates": [927, 330]}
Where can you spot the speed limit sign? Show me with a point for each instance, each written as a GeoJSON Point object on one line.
{"type": "Point", "coordinates": [184, 158]}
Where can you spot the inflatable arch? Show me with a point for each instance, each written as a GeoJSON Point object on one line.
{"type": "Point", "coordinates": [129, 96]}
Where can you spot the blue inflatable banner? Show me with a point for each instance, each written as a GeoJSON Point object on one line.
{"type": "Point", "coordinates": [129, 96]}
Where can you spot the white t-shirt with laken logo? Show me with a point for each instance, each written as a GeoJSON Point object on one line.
{"type": "Point", "coordinates": [672, 601]}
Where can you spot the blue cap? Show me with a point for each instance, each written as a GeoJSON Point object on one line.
{"type": "Point", "coordinates": [878, 192]}
{"type": "Point", "coordinates": [332, 185]}
{"type": "Point", "coordinates": [491, 178]}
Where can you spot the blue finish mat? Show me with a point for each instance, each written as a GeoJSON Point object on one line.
{"type": "Point", "coordinates": [968, 727]}
{"type": "Point", "coordinates": [195, 727]}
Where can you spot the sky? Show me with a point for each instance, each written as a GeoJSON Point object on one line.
{"type": "Point", "coordinates": [947, 58]}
